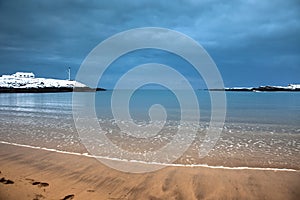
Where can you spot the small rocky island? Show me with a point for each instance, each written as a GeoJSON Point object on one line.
{"type": "Point", "coordinates": [26, 82]}
{"type": "Point", "coordinates": [268, 88]}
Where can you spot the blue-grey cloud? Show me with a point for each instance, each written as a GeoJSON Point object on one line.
{"type": "Point", "coordinates": [252, 42]}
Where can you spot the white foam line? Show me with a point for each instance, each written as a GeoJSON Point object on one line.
{"type": "Point", "coordinates": [151, 163]}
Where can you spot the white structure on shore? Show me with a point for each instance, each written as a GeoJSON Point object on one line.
{"type": "Point", "coordinates": [24, 75]}
{"type": "Point", "coordinates": [28, 80]}
{"type": "Point", "coordinates": [18, 75]}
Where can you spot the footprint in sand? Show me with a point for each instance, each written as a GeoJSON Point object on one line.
{"type": "Point", "coordinates": [40, 184]}
{"type": "Point", "coordinates": [68, 197]}
{"type": "Point", "coordinates": [6, 181]}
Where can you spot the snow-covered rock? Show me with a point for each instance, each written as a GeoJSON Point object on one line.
{"type": "Point", "coordinates": [293, 86]}
{"type": "Point", "coordinates": [290, 87]}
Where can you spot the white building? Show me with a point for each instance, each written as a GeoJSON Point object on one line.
{"type": "Point", "coordinates": [24, 75]}
{"type": "Point", "coordinates": [7, 77]}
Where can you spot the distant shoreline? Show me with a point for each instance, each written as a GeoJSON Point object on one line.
{"type": "Point", "coordinates": [87, 89]}
{"type": "Point", "coordinates": [49, 90]}
{"type": "Point", "coordinates": [259, 89]}
{"type": "Point", "coordinates": [254, 90]}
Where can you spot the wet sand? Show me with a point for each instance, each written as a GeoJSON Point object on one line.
{"type": "Point", "coordinates": [37, 174]}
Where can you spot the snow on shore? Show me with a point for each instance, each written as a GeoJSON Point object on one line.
{"type": "Point", "coordinates": [13, 81]}
{"type": "Point", "coordinates": [290, 87]}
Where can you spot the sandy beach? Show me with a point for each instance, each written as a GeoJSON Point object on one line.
{"type": "Point", "coordinates": [38, 174]}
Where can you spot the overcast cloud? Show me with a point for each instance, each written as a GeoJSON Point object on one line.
{"type": "Point", "coordinates": [252, 42]}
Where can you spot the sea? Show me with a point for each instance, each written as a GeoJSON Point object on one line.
{"type": "Point", "coordinates": [261, 129]}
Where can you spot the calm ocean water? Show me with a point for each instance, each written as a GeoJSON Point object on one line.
{"type": "Point", "coordinates": [257, 126]}
{"type": "Point", "coordinates": [278, 108]}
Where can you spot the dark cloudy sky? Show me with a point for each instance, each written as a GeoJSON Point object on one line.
{"type": "Point", "coordinates": [252, 42]}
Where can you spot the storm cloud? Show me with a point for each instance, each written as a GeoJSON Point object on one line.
{"type": "Point", "coordinates": [252, 42]}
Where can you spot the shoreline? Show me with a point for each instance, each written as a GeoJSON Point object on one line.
{"type": "Point", "coordinates": [40, 174]}
{"type": "Point", "coordinates": [153, 163]}
{"type": "Point", "coordinates": [49, 89]}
